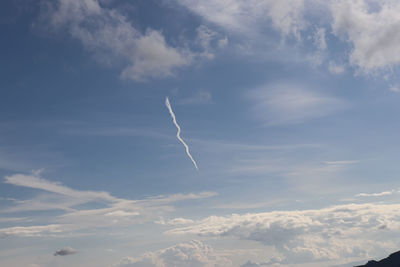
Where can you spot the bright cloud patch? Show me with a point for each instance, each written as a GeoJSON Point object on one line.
{"type": "Point", "coordinates": [194, 254]}
{"type": "Point", "coordinates": [30, 231]}
{"type": "Point", "coordinates": [373, 32]}
{"type": "Point", "coordinates": [110, 35]}
{"type": "Point", "coordinates": [287, 104]}
{"type": "Point", "coordinates": [340, 232]}
{"type": "Point", "coordinates": [369, 27]}
{"type": "Point", "coordinates": [381, 194]}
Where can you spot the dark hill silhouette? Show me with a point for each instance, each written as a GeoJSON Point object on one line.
{"type": "Point", "coordinates": [392, 261]}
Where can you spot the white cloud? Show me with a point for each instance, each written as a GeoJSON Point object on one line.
{"type": "Point", "coordinates": [319, 39]}
{"type": "Point", "coordinates": [319, 55]}
{"type": "Point", "coordinates": [369, 27]}
{"type": "Point", "coordinates": [153, 57]}
{"type": "Point", "coordinates": [330, 234]}
{"type": "Point", "coordinates": [175, 221]}
{"type": "Point", "coordinates": [121, 213]}
{"type": "Point", "coordinates": [288, 104]}
{"type": "Point", "coordinates": [373, 32]}
{"type": "Point", "coordinates": [370, 31]}
{"type": "Point", "coordinates": [34, 181]}
{"type": "Point", "coordinates": [113, 211]}
{"type": "Point", "coordinates": [29, 231]}
{"type": "Point", "coordinates": [178, 197]}
{"type": "Point", "coordinates": [335, 68]}
{"type": "Point", "coordinates": [381, 194]}
{"type": "Point", "coordinates": [112, 38]}
{"type": "Point", "coordinates": [251, 16]}
{"type": "Point", "coordinates": [206, 37]}
{"type": "Point", "coordinates": [191, 254]}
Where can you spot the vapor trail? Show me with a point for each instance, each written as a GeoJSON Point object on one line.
{"type": "Point", "coordinates": [178, 134]}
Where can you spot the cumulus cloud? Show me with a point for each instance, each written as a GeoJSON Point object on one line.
{"type": "Point", "coordinates": [65, 252]}
{"type": "Point", "coordinates": [368, 27]}
{"type": "Point", "coordinates": [193, 254]}
{"type": "Point", "coordinates": [112, 38]}
{"type": "Point", "coordinates": [372, 31]}
{"type": "Point", "coordinates": [334, 233]}
{"type": "Point", "coordinates": [288, 104]}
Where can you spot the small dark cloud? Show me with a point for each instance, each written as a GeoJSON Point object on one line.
{"type": "Point", "coordinates": [65, 252]}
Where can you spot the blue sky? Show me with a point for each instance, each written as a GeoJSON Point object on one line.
{"type": "Point", "coordinates": [289, 109]}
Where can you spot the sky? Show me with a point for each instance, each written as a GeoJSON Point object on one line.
{"type": "Point", "coordinates": [199, 132]}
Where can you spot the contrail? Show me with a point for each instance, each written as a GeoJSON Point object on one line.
{"type": "Point", "coordinates": [178, 134]}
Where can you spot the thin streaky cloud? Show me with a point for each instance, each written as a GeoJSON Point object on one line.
{"type": "Point", "coordinates": [178, 133]}
{"type": "Point", "coordinates": [381, 194]}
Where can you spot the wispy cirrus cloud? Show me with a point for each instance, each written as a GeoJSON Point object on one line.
{"type": "Point", "coordinates": [251, 16]}
{"type": "Point", "coordinates": [380, 194]}
{"type": "Point", "coordinates": [36, 182]}
{"type": "Point", "coordinates": [110, 210]}
{"type": "Point", "coordinates": [30, 231]}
